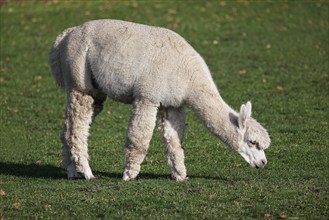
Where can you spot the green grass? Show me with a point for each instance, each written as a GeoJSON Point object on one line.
{"type": "Point", "coordinates": [274, 53]}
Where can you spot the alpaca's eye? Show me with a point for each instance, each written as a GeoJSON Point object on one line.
{"type": "Point", "coordinates": [254, 144]}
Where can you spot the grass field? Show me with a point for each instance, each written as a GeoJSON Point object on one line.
{"type": "Point", "coordinates": [274, 53]}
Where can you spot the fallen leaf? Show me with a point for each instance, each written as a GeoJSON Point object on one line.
{"type": "Point", "coordinates": [172, 11]}
{"type": "Point", "coordinates": [39, 77]}
{"type": "Point", "coordinates": [279, 88]}
{"type": "Point", "coordinates": [283, 216]}
{"type": "Point", "coordinates": [17, 205]}
{"type": "Point", "coordinates": [47, 207]}
{"type": "Point", "coordinates": [267, 215]}
{"type": "Point", "coordinates": [170, 18]}
{"type": "Point", "coordinates": [2, 193]}
{"type": "Point", "coordinates": [172, 26]}
{"type": "Point", "coordinates": [242, 72]}
{"type": "Point", "coordinates": [268, 46]}
{"type": "Point", "coordinates": [134, 4]}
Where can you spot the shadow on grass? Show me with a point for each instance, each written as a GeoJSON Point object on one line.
{"type": "Point", "coordinates": [41, 171]}
{"type": "Point", "coordinates": [168, 176]}
{"type": "Point", "coordinates": [150, 176]}
{"type": "Point", "coordinates": [32, 170]}
{"type": "Point", "coordinates": [52, 172]}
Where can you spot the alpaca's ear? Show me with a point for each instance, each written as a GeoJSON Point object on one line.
{"type": "Point", "coordinates": [245, 113]}
{"type": "Point", "coordinates": [248, 107]}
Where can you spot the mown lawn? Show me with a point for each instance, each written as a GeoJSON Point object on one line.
{"type": "Point", "coordinates": [274, 53]}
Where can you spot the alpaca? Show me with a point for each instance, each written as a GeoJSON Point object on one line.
{"type": "Point", "coordinates": [156, 71]}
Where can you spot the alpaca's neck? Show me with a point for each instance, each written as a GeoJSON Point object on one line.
{"type": "Point", "coordinates": [216, 115]}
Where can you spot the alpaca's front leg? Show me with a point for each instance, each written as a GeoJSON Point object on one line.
{"type": "Point", "coordinates": [140, 130]}
{"type": "Point", "coordinates": [79, 113]}
{"type": "Point", "coordinates": [172, 129]}
{"type": "Point", "coordinates": [66, 153]}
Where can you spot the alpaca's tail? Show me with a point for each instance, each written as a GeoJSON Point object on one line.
{"type": "Point", "coordinates": [54, 58]}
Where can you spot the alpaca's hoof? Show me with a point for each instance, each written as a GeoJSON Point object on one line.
{"type": "Point", "coordinates": [74, 176]}
{"type": "Point", "coordinates": [179, 178]}
{"type": "Point", "coordinates": [183, 179]}
{"type": "Point", "coordinates": [89, 175]}
{"type": "Point", "coordinates": [77, 177]}
{"type": "Point", "coordinates": [129, 175]}
{"type": "Point", "coordinates": [80, 176]}
{"type": "Point", "coordinates": [179, 175]}
{"type": "Point", "coordinates": [71, 171]}
{"type": "Point", "coordinates": [126, 178]}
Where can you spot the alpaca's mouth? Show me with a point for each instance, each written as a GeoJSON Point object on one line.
{"type": "Point", "coordinates": [260, 164]}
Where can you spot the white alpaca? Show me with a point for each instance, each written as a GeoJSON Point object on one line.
{"type": "Point", "coordinates": [153, 69]}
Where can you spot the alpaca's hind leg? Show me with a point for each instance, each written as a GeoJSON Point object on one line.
{"type": "Point", "coordinates": [172, 129]}
{"type": "Point", "coordinates": [79, 115]}
{"type": "Point", "coordinates": [140, 130]}
{"type": "Point", "coordinates": [98, 104]}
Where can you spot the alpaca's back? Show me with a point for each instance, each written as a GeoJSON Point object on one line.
{"type": "Point", "coordinates": [127, 60]}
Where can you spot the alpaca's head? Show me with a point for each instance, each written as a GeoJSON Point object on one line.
{"type": "Point", "coordinates": [253, 138]}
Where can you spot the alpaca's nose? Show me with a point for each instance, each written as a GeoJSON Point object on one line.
{"type": "Point", "coordinates": [260, 164]}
